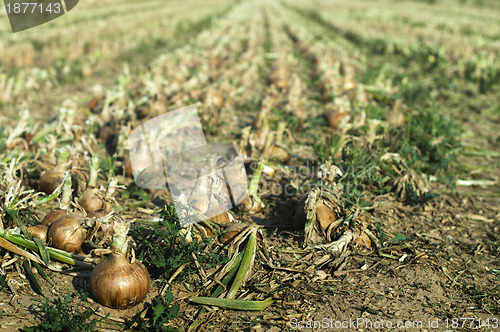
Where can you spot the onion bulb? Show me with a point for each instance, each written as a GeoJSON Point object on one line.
{"type": "Point", "coordinates": [252, 204]}
{"type": "Point", "coordinates": [50, 180]}
{"type": "Point", "coordinates": [119, 284]}
{"type": "Point", "coordinates": [53, 216]}
{"type": "Point", "coordinates": [90, 200]}
{"type": "Point", "coordinates": [116, 282]}
{"type": "Point", "coordinates": [231, 232]}
{"type": "Point", "coordinates": [223, 219]}
{"type": "Point", "coordinates": [39, 232]}
{"type": "Point", "coordinates": [281, 154]}
{"type": "Point", "coordinates": [324, 215]}
{"type": "Point", "coordinates": [215, 99]}
{"type": "Point", "coordinates": [337, 120]}
{"type": "Point", "coordinates": [67, 233]}
{"type": "Point", "coordinates": [64, 204]}
{"type": "Point", "coordinates": [362, 240]}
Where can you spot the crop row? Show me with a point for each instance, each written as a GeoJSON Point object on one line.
{"type": "Point", "coordinates": [473, 60]}
{"type": "Point", "coordinates": [90, 46]}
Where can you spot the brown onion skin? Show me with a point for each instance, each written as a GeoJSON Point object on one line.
{"type": "Point", "coordinates": [231, 232]}
{"type": "Point", "coordinates": [334, 119]}
{"type": "Point", "coordinates": [324, 215]}
{"type": "Point", "coordinates": [363, 240]}
{"type": "Point", "coordinates": [53, 216]}
{"type": "Point", "coordinates": [66, 233]}
{"type": "Point", "coordinates": [90, 201]}
{"type": "Point", "coordinates": [39, 232]}
{"type": "Point", "coordinates": [277, 152]}
{"type": "Point", "coordinates": [223, 219]}
{"type": "Point", "coordinates": [50, 180]}
{"type": "Point", "coordinates": [116, 283]}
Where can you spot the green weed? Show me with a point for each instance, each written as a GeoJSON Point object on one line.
{"type": "Point", "coordinates": [430, 142]}
{"type": "Point", "coordinates": [163, 249]}
{"type": "Point", "coordinates": [156, 316]}
{"type": "Point", "coordinates": [64, 315]}
{"type": "Point", "coordinates": [361, 169]}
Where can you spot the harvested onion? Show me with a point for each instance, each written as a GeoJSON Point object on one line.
{"type": "Point", "coordinates": [337, 120]}
{"type": "Point", "coordinates": [91, 200]}
{"type": "Point", "coordinates": [53, 216]}
{"type": "Point", "coordinates": [64, 204]}
{"type": "Point", "coordinates": [281, 154]}
{"type": "Point", "coordinates": [52, 179]}
{"type": "Point", "coordinates": [39, 232]}
{"type": "Point", "coordinates": [231, 232]}
{"type": "Point", "coordinates": [223, 219]}
{"type": "Point", "coordinates": [119, 284]}
{"type": "Point", "coordinates": [67, 233]}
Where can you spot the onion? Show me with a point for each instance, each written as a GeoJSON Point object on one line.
{"type": "Point", "coordinates": [336, 119]}
{"type": "Point", "coordinates": [64, 203]}
{"type": "Point", "coordinates": [119, 284]}
{"type": "Point", "coordinates": [281, 154]}
{"type": "Point", "coordinates": [252, 204]}
{"type": "Point", "coordinates": [223, 219]}
{"type": "Point", "coordinates": [231, 232]}
{"type": "Point", "coordinates": [39, 232]}
{"type": "Point", "coordinates": [324, 215]}
{"type": "Point", "coordinates": [362, 240]}
{"type": "Point", "coordinates": [67, 233]}
{"type": "Point", "coordinates": [115, 282]}
{"type": "Point", "coordinates": [50, 180]}
{"type": "Point", "coordinates": [53, 216]}
{"type": "Point", "coordinates": [215, 99]}
{"type": "Point", "coordinates": [90, 200]}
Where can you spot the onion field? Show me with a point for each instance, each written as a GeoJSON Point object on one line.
{"type": "Point", "coordinates": [368, 132]}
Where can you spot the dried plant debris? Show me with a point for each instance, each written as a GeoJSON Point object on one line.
{"type": "Point", "coordinates": [410, 187]}
{"type": "Point", "coordinates": [328, 220]}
